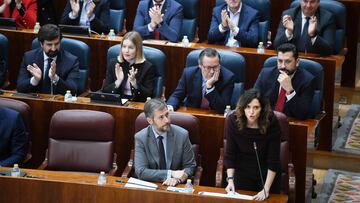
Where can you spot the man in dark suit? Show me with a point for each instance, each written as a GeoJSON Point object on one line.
{"type": "Point", "coordinates": [205, 86]}
{"type": "Point", "coordinates": [49, 66]}
{"type": "Point", "coordinates": [309, 27]}
{"type": "Point", "coordinates": [163, 151]}
{"type": "Point", "coordinates": [92, 13]}
{"type": "Point", "coordinates": [13, 139]}
{"type": "Point", "coordinates": [234, 24]}
{"type": "Point", "coordinates": [159, 19]}
{"type": "Point", "coordinates": [290, 88]}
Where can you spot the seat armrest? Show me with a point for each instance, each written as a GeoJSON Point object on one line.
{"type": "Point", "coordinates": [45, 162]}
{"type": "Point", "coordinates": [220, 169]}
{"type": "Point", "coordinates": [292, 183]}
{"type": "Point", "coordinates": [113, 171]}
{"type": "Point", "coordinates": [129, 167]}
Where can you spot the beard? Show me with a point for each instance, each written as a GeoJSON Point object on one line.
{"type": "Point", "coordinates": [287, 71]}
{"type": "Point", "coordinates": [52, 54]}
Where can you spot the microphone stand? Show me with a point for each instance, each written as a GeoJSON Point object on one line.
{"type": "Point", "coordinates": [258, 163]}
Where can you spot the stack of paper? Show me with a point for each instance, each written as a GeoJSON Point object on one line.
{"type": "Point", "coordinates": [140, 184]}
{"type": "Point", "coordinates": [230, 195]}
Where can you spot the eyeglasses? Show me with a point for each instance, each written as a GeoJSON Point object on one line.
{"type": "Point", "coordinates": [211, 67]}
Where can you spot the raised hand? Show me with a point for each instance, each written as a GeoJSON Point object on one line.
{"type": "Point", "coordinates": [288, 23]}
{"type": "Point", "coordinates": [35, 71]}
{"type": "Point", "coordinates": [119, 73]}
{"type": "Point", "coordinates": [52, 71]}
{"type": "Point", "coordinates": [285, 81]}
{"type": "Point", "coordinates": [210, 82]}
{"type": "Point", "coordinates": [91, 9]}
{"type": "Point", "coordinates": [75, 6]}
{"type": "Point", "coordinates": [312, 26]}
{"type": "Point", "coordinates": [224, 19]}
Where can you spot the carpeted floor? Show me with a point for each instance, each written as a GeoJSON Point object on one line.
{"type": "Point", "coordinates": [340, 186]}
{"type": "Point", "coordinates": [348, 135]}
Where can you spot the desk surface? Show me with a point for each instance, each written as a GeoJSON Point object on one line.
{"type": "Point", "coordinates": [80, 187]}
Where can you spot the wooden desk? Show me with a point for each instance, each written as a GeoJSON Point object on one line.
{"type": "Point", "coordinates": [55, 186]}
{"type": "Point", "coordinates": [20, 41]}
{"type": "Point", "coordinates": [211, 134]}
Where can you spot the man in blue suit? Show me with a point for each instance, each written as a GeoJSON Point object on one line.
{"type": "Point", "coordinates": [48, 64]}
{"type": "Point", "coordinates": [92, 13]}
{"type": "Point", "coordinates": [13, 139]}
{"type": "Point", "coordinates": [234, 24]}
{"type": "Point", "coordinates": [290, 88]}
{"type": "Point", "coordinates": [159, 19]}
{"type": "Point", "coordinates": [207, 86]}
{"type": "Point", "coordinates": [309, 27]}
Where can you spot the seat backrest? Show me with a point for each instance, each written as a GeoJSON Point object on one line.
{"type": "Point", "coordinates": [284, 151]}
{"type": "Point", "coordinates": [263, 6]}
{"type": "Point", "coordinates": [186, 121]}
{"type": "Point", "coordinates": [317, 71]}
{"type": "Point", "coordinates": [154, 56]}
{"type": "Point", "coordinates": [117, 19]}
{"type": "Point", "coordinates": [189, 24]}
{"type": "Point", "coordinates": [117, 4]}
{"type": "Point", "coordinates": [19, 106]}
{"type": "Point", "coordinates": [339, 11]}
{"type": "Point", "coordinates": [79, 49]}
{"type": "Point", "coordinates": [4, 48]}
{"type": "Point", "coordinates": [81, 140]}
{"type": "Point", "coordinates": [230, 60]}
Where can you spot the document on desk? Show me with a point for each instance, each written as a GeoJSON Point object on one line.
{"type": "Point", "coordinates": [140, 184]}
{"type": "Point", "coordinates": [229, 195]}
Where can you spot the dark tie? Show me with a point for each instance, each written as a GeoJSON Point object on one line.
{"type": "Point", "coordinates": [156, 31]}
{"type": "Point", "coordinates": [280, 103]}
{"type": "Point", "coordinates": [204, 101]}
{"type": "Point", "coordinates": [46, 81]}
{"type": "Point", "coordinates": [162, 160]}
{"type": "Point", "coordinates": [304, 39]}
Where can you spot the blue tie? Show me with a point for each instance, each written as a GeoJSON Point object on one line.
{"type": "Point", "coordinates": [304, 39]}
{"type": "Point", "coordinates": [46, 81]}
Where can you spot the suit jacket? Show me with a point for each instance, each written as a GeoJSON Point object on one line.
{"type": "Point", "coordinates": [13, 138]}
{"type": "Point", "coordinates": [67, 68]}
{"type": "Point", "coordinates": [180, 155]}
{"type": "Point", "coordinates": [248, 27]}
{"type": "Point", "coordinates": [144, 79]}
{"type": "Point", "coordinates": [99, 24]}
{"type": "Point", "coordinates": [324, 43]}
{"type": "Point", "coordinates": [303, 83]}
{"type": "Point", "coordinates": [47, 12]}
{"type": "Point", "coordinates": [172, 21]}
{"type": "Point", "coordinates": [28, 20]}
{"type": "Point", "coordinates": [189, 90]}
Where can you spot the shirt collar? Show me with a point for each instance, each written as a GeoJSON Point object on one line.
{"type": "Point", "coordinates": [46, 57]}
{"type": "Point", "coordinates": [303, 16]}
{"type": "Point", "coordinates": [237, 12]}
{"type": "Point", "coordinates": [162, 3]}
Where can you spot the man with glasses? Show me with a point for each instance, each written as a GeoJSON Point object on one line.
{"type": "Point", "coordinates": [207, 86]}
{"type": "Point", "coordinates": [309, 27]}
{"type": "Point", "coordinates": [290, 88]}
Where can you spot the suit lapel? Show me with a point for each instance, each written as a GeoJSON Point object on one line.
{"type": "Point", "coordinates": [275, 88]}
{"type": "Point", "coordinates": [165, 9]}
{"type": "Point", "coordinates": [153, 147]}
{"type": "Point", "coordinates": [297, 24]}
{"type": "Point", "coordinates": [170, 145]}
{"type": "Point", "coordinates": [197, 85]}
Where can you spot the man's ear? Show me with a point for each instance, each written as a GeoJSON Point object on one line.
{"type": "Point", "coordinates": [150, 121]}
{"type": "Point", "coordinates": [297, 62]}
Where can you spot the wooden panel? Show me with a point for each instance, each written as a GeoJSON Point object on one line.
{"type": "Point", "coordinates": [51, 186]}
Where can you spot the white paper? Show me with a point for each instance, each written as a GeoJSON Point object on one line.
{"type": "Point", "coordinates": [179, 189]}
{"type": "Point", "coordinates": [229, 195]}
{"type": "Point", "coordinates": [140, 184]}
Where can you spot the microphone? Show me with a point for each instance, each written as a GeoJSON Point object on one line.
{"type": "Point", "coordinates": [258, 163]}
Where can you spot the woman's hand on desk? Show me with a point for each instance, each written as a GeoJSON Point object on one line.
{"type": "Point", "coordinates": [230, 188]}
{"type": "Point", "coordinates": [263, 194]}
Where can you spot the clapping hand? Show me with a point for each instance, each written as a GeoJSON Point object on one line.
{"type": "Point", "coordinates": [35, 71]}
{"type": "Point", "coordinates": [224, 19]}
{"type": "Point", "coordinates": [132, 76]}
{"type": "Point", "coordinates": [52, 71]}
{"type": "Point", "coordinates": [312, 26]}
{"type": "Point", "coordinates": [91, 9]}
{"type": "Point", "coordinates": [288, 23]}
{"type": "Point", "coordinates": [119, 74]}
{"type": "Point", "coordinates": [156, 16]}
{"type": "Point", "coordinates": [75, 7]}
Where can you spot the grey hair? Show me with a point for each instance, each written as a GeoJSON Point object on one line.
{"type": "Point", "coordinates": [153, 105]}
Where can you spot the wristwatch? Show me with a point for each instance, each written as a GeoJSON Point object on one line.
{"type": "Point", "coordinates": [229, 178]}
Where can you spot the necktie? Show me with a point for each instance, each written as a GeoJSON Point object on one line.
{"type": "Point", "coordinates": [280, 103]}
{"type": "Point", "coordinates": [162, 160]}
{"type": "Point", "coordinates": [46, 81]}
{"type": "Point", "coordinates": [304, 38]}
{"type": "Point", "coordinates": [156, 31]}
{"type": "Point", "coordinates": [204, 101]}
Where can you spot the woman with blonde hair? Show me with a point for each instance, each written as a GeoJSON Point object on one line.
{"type": "Point", "coordinates": [253, 139]}
{"type": "Point", "coordinates": [130, 74]}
